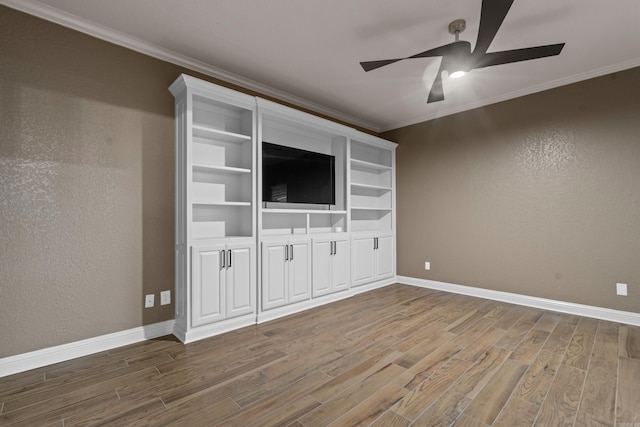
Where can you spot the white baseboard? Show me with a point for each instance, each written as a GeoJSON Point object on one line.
{"type": "Point", "coordinates": [47, 356]}
{"type": "Point", "coordinates": [618, 316]}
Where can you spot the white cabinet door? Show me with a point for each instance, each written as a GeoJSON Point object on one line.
{"type": "Point", "coordinates": [322, 259]}
{"type": "Point", "coordinates": [240, 280]}
{"type": "Point", "coordinates": [384, 257]}
{"type": "Point", "coordinates": [208, 279]}
{"type": "Point", "coordinates": [362, 260]}
{"type": "Point", "coordinates": [274, 274]}
{"type": "Point", "coordinates": [340, 265]}
{"type": "Point", "coordinates": [299, 271]}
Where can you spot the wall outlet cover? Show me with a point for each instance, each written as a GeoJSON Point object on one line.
{"type": "Point", "coordinates": [621, 289]}
{"type": "Point", "coordinates": [427, 265]}
{"type": "Point", "coordinates": [165, 297]}
{"type": "Point", "coordinates": [149, 300]}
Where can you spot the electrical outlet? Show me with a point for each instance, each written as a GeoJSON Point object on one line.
{"type": "Point", "coordinates": [427, 265]}
{"type": "Point", "coordinates": [621, 289]}
{"type": "Point", "coordinates": [165, 297]}
{"type": "Point", "coordinates": [149, 300]}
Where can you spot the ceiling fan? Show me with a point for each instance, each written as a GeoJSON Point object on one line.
{"type": "Point", "coordinates": [457, 57]}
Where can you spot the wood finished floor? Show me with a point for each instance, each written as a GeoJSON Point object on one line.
{"type": "Point", "coordinates": [396, 356]}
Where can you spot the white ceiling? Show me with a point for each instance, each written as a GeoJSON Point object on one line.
{"type": "Point", "coordinates": [308, 51]}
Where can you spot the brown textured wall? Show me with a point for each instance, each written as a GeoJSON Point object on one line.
{"type": "Point", "coordinates": [538, 196]}
{"type": "Point", "coordinates": [86, 185]}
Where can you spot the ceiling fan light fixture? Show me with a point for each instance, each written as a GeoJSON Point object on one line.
{"type": "Point", "coordinates": [457, 74]}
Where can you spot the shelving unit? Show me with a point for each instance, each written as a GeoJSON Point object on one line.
{"type": "Point", "coordinates": [307, 254]}
{"type": "Point", "coordinates": [371, 194]}
{"type": "Point", "coordinates": [215, 208]}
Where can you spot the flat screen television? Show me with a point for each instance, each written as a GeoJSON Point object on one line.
{"type": "Point", "coordinates": [291, 175]}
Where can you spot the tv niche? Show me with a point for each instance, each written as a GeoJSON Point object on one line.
{"type": "Point", "coordinates": [292, 175]}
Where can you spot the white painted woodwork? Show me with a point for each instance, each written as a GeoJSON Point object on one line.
{"type": "Point", "coordinates": [208, 284]}
{"type": "Point", "coordinates": [306, 252]}
{"type": "Point", "coordinates": [330, 265]}
{"type": "Point", "coordinates": [240, 280]}
{"type": "Point", "coordinates": [299, 270]}
{"type": "Point", "coordinates": [275, 271]}
{"type": "Point", "coordinates": [285, 279]}
{"type": "Point", "coordinates": [362, 260]}
{"type": "Point", "coordinates": [384, 257]}
{"type": "Point", "coordinates": [340, 265]}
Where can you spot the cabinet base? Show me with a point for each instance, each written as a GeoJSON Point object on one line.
{"type": "Point", "coordinates": [206, 331]}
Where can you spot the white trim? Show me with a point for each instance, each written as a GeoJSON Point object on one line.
{"type": "Point", "coordinates": [602, 313]}
{"type": "Point", "coordinates": [47, 356]}
{"type": "Point", "coordinates": [206, 331]}
{"type": "Point", "coordinates": [287, 310]}
{"type": "Point", "coordinates": [104, 33]}
{"type": "Point", "coordinates": [373, 285]}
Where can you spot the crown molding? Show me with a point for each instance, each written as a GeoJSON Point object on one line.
{"type": "Point", "coordinates": [74, 22]}
{"type": "Point", "coordinates": [609, 69]}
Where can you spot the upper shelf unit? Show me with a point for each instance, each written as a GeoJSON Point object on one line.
{"type": "Point", "coordinates": [216, 175]}
{"type": "Point", "coordinates": [371, 186]}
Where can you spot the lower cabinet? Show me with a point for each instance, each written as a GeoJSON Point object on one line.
{"type": "Point", "coordinates": [371, 259]}
{"type": "Point", "coordinates": [224, 282]}
{"type": "Point", "coordinates": [330, 265]}
{"type": "Point", "coordinates": [286, 272]}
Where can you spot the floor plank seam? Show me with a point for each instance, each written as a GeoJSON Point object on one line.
{"type": "Point", "coordinates": [555, 374]}
{"type": "Point", "coordinates": [586, 373]}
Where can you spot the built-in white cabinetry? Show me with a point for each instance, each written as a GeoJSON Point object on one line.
{"type": "Point", "coordinates": [223, 278]}
{"type": "Point", "coordinates": [371, 259]}
{"type": "Point", "coordinates": [330, 265]}
{"type": "Point", "coordinates": [215, 209]}
{"type": "Point", "coordinates": [286, 271]}
{"type": "Point", "coordinates": [240, 260]}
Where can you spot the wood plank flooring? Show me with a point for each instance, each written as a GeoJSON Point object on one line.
{"type": "Point", "coordinates": [396, 356]}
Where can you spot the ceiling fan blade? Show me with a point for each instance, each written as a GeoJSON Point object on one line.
{"type": "Point", "coordinates": [491, 16]}
{"type": "Point", "coordinates": [438, 51]}
{"type": "Point", "coordinates": [517, 55]}
{"type": "Point", "coordinates": [436, 93]}
{"type": "Point", "coordinates": [372, 65]}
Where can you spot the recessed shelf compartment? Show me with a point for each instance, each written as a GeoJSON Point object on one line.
{"type": "Point", "coordinates": [370, 219]}
{"type": "Point", "coordinates": [221, 220]}
{"type": "Point", "coordinates": [298, 221]}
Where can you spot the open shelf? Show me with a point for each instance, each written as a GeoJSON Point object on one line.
{"type": "Point", "coordinates": [221, 220]}
{"type": "Point", "coordinates": [222, 169]}
{"type": "Point", "coordinates": [363, 208]}
{"type": "Point", "coordinates": [219, 135]}
{"type": "Point", "coordinates": [302, 211]}
{"type": "Point", "coordinates": [368, 166]}
{"type": "Point", "coordinates": [380, 188]}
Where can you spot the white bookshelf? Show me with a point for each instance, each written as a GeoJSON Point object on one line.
{"type": "Point", "coordinates": [215, 208]}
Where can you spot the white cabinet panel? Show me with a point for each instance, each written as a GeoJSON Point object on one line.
{"type": "Point", "coordinates": [322, 276]}
{"type": "Point", "coordinates": [208, 277]}
{"type": "Point", "coordinates": [274, 274]}
{"type": "Point", "coordinates": [340, 267]}
{"type": "Point", "coordinates": [330, 266]}
{"type": "Point", "coordinates": [384, 257]}
{"type": "Point", "coordinates": [299, 271]}
{"type": "Point", "coordinates": [371, 259]}
{"type": "Point", "coordinates": [240, 280]}
{"type": "Point", "coordinates": [362, 260]}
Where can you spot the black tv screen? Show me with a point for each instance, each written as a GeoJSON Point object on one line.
{"type": "Point", "coordinates": [291, 175]}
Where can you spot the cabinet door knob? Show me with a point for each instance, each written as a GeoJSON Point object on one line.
{"type": "Point", "coordinates": [229, 255]}
{"type": "Point", "coordinates": [286, 252]}
{"type": "Point", "coordinates": [222, 259]}
{"type": "Point", "coordinates": [291, 253]}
